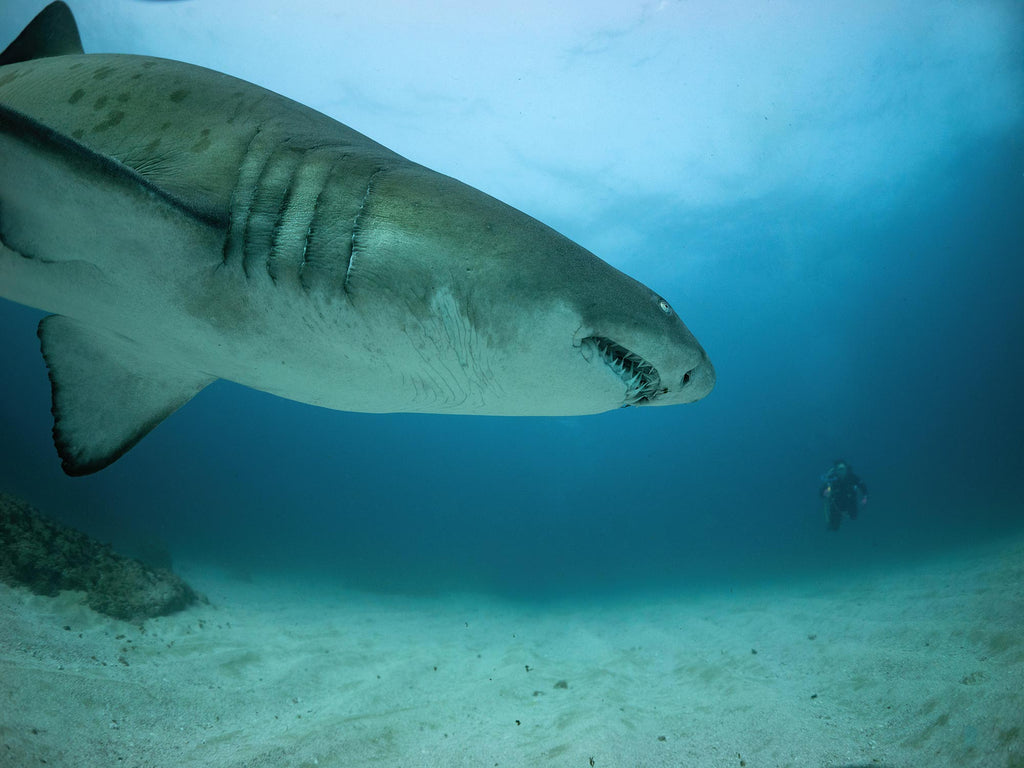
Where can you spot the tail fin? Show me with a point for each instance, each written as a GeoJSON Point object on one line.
{"type": "Point", "coordinates": [52, 33]}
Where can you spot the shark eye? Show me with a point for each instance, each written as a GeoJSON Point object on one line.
{"type": "Point", "coordinates": [665, 306]}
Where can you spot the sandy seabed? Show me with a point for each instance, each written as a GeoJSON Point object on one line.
{"type": "Point", "coordinates": [921, 666]}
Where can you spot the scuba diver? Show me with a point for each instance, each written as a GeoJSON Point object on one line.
{"type": "Point", "coordinates": [843, 492]}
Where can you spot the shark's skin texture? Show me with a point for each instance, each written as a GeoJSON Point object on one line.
{"type": "Point", "coordinates": [184, 226]}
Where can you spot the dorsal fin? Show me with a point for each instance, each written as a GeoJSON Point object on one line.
{"type": "Point", "coordinates": [52, 33]}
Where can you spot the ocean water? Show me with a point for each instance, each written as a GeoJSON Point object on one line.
{"type": "Point", "coordinates": [832, 198]}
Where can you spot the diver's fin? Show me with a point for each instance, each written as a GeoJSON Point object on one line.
{"type": "Point", "coordinates": [108, 393]}
{"type": "Point", "coordinates": [53, 32]}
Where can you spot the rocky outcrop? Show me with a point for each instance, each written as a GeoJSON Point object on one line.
{"type": "Point", "coordinates": [48, 557]}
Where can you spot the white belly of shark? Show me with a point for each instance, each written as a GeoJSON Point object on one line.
{"type": "Point", "coordinates": [183, 226]}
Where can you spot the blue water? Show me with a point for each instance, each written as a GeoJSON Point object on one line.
{"type": "Point", "coordinates": [883, 325]}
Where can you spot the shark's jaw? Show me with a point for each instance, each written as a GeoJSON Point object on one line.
{"type": "Point", "coordinates": [642, 380]}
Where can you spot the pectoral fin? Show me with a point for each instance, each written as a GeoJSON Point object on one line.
{"type": "Point", "coordinates": [108, 392]}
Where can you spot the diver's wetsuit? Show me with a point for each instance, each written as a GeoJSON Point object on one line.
{"type": "Point", "coordinates": [845, 497]}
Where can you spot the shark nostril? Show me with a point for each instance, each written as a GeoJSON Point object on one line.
{"type": "Point", "coordinates": [686, 378]}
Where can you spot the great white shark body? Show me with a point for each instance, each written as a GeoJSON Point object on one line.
{"type": "Point", "coordinates": [184, 226]}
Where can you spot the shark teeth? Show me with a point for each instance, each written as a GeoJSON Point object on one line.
{"type": "Point", "coordinates": [643, 383]}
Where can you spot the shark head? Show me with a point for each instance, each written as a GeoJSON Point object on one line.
{"type": "Point", "coordinates": [647, 347]}
{"type": "Point", "coordinates": [537, 324]}
{"type": "Point", "coordinates": [611, 341]}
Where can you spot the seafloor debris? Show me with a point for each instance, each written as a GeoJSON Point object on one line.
{"type": "Point", "coordinates": [48, 557]}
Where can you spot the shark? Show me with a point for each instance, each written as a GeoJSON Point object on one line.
{"type": "Point", "coordinates": [179, 226]}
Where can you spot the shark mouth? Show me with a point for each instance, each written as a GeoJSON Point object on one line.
{"type": "Point", "coordinates": [643, 383]}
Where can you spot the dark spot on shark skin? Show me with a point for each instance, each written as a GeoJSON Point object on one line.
{"type": "Point", "coordinates": [204, 141]}
{"type": "Point", "coordinates": [102, 73]}
{"type": "Point", "coordinates": [76, 97]}
{"type": "Point", "coordinates": [124, 98]}
{"type": "Point", "coordinates": [77, 134]}
{"type": "Point", "coordinates": [8, 78]}
{"type": "Point", "coordinates": [153, 145]}
{"type": "Point", "coordinates": [114, 117]}
{"type": "Point", "coordinates": [101, 102]}
{"type": "Point", "coordinates": [178, 95]}
{"type": "Point", "coordinates": [1009, 737]}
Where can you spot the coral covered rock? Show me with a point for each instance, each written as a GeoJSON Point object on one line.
{"type": "Point", "coordinates": [48, 557]}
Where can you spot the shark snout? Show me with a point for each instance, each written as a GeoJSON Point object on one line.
{"type": "Point", "coordinates": [697, 382]}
